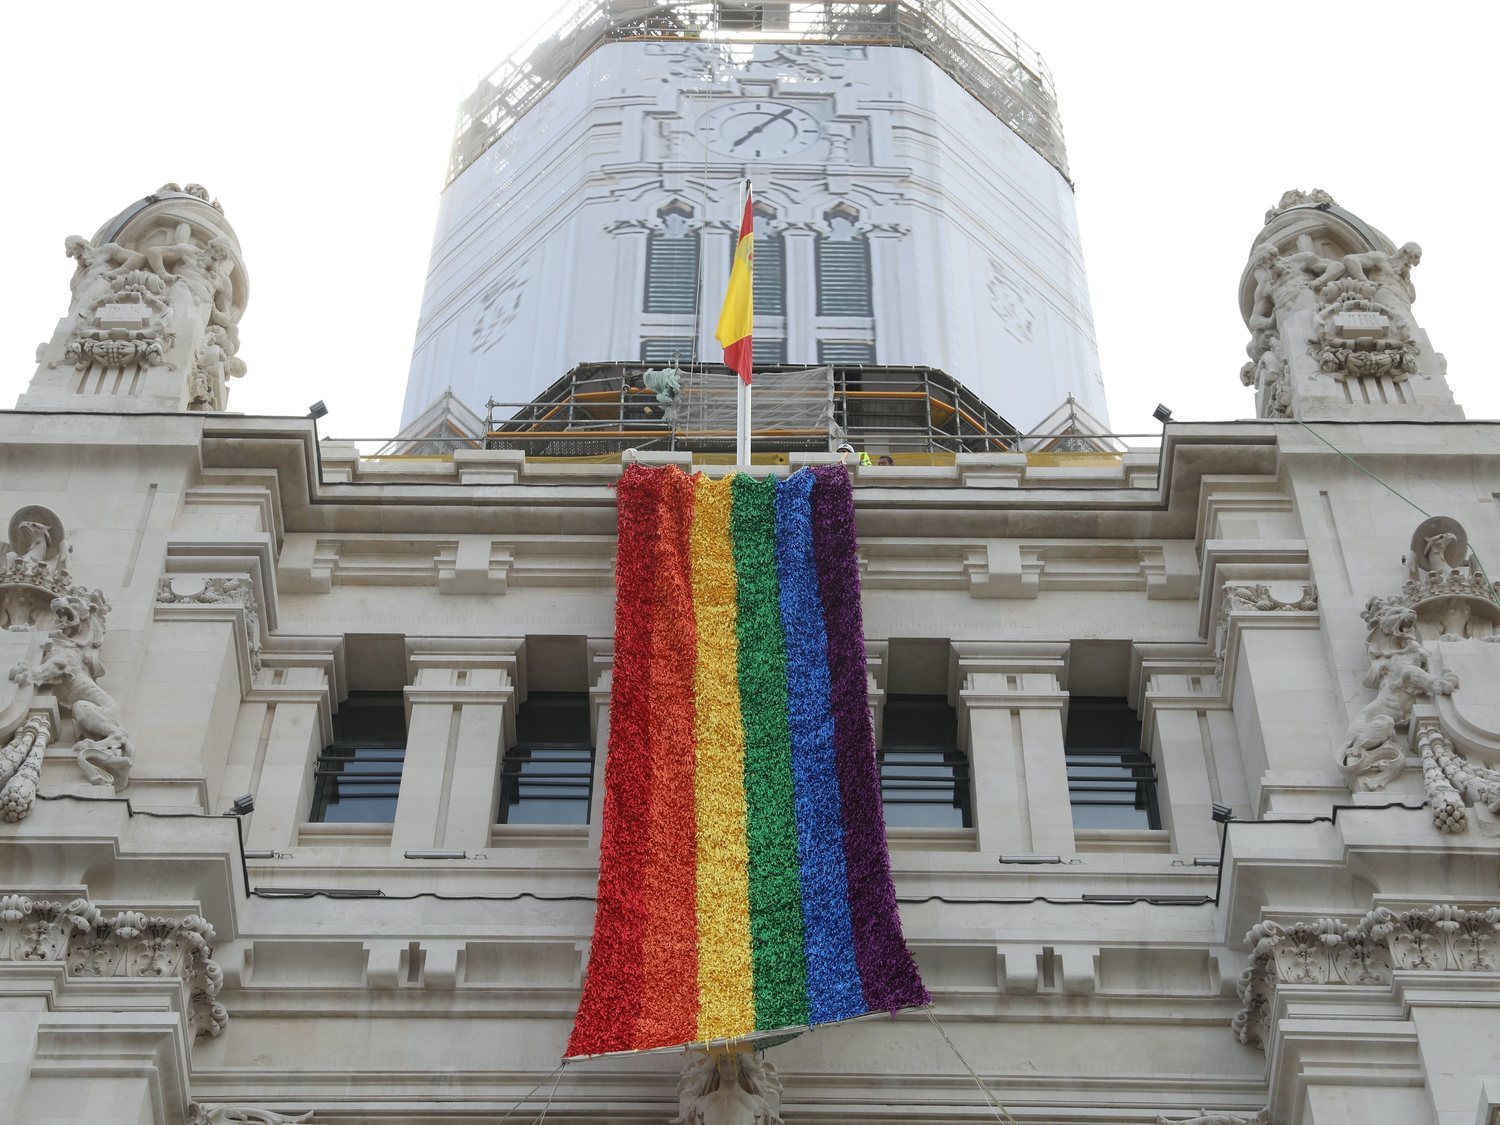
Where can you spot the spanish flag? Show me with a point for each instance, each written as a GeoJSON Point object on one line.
{"type": "Point", "coordinates": [737, 318]}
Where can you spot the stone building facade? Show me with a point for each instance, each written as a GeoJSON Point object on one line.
{"type": "Point", "coordinates": [1192, 755]}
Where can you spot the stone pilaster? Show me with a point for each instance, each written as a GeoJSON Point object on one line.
{"type": "Point", "coordinates": [1010, 700]}
{"type": "Point", "coordinates": [460, 718]}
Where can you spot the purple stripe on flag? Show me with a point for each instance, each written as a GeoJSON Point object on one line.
{"type": "Point", "coordinates": [886, 966]}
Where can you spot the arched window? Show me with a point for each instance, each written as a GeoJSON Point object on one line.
{"type": "Point", "coordinates": [843, 266]}
{"type": "Point", "coordinates": [672, 262]}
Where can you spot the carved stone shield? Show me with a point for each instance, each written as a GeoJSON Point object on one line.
{"type": "Point", "coordinates": [21, 647]}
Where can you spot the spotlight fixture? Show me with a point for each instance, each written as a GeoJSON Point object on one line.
{"type": "Point", "coordinates": [435, 853]}
{"type": "Point", "coordinates": [1222, 814]}
{"type": "Point", "coordinates": [259, 853]}
{"type": "Point", "coordinates": [1162, 414]}
{"type": "Point", "coordinates": [243, 805]}
{"type": "Point", "coordinates": [317, 410]}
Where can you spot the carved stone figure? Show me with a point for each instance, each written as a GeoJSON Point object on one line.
{"type": "Point", "coordinates": [219, 591]}
{"type": "Point", "coordinates": [1239, 598]}
{"type": "Point", "coordinates": [1295, 198]}
{"type": "Point", "coordinates": [1440, 939]}
{"type": "Point", "coordinates": [130, 944]}
{"type": "Point", "coordinates": [1206, 1118]}
{"type": "Point", "coordinates": [71, 665]}
{"type": "Point", "coordinates": [1297, 279]}
{"type": "Point", "coordinates": [21, 768]}
{"type": "Point", "coordinates": [213, 366]}
{"type": "Point", "coordinates": [240, 1115]}
{"type": "Point", "coordinates": [1399, 673]}
{"type": "Point", "coordinates": [732, 1088]}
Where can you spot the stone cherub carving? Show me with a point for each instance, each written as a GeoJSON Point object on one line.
{"type": "Point", "coordinates": [1400, 675]}
{"type": "Point", "coordinates": [70, 663]}
{"type": "Point", "coordinates": [733, 1088]}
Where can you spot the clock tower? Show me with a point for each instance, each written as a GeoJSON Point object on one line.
{"type": "Point", "coordinates": [912, 204]}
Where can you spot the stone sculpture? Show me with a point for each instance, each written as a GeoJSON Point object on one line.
{"type": "Point", "coordinates": [1256, 597]}
{"type": "Point", "coordinates": [1327, 298]}
{"type": "Point", "coordinates": [1206, 1118]}
{"type": "Point", "coordinates": [1446, 599]}
{"type": "Point", "coordinates": [53, 629]}
{"type": "Point", "coordinates": [1399, 673]}
{"type": "Point", "coordinates": [130, 944]}
{"type": "Point", "coordinates": [728, 1088]}
{"type": "Point", "coordinates": [70, 664]}
{"type": "Point", "coordinates": [220, 590]}
{"type": "Point", "coordinates": [1438, 939]}
{"type": "Point", "coordinates": [240, 1115]}
{"type": "Point", "coordinates": [154, 311]}
{"type": "Point", "coordinates": [1295, 198]}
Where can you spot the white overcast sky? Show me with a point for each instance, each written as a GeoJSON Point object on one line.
{"type": "Point", "coordinates": [324, 129]}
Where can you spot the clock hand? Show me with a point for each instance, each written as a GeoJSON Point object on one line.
{"type": "Point", "coordinates": [762, 127]}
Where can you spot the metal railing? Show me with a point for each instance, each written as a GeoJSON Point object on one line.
{"type": "Point", "coordinates": [606, 408]}
{"type": "Point", "coordinates": [976, 50]}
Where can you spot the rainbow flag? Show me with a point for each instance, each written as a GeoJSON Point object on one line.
{"type": "Point", "coordinates": [744, 879]}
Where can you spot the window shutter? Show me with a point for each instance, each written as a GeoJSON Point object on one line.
{"type": "Point", "coordinates": [845, 351]}
{"type": "Point", "coordinates": [671, 273]}
{"type": "Point", "coordinates": [844, 277]}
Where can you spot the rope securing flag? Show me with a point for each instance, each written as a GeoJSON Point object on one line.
{"type": "Point", "coordinates": [744, 878]}
{"type": "Point", "coordinates": [737, 317]}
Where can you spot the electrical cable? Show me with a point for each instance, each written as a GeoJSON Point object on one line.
{"type": "Point", "coordinates": [527, 1096]}
{"type": "Point", "coordinates": [1383, 484]}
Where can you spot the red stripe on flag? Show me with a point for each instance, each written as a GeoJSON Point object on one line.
{"type": "Point", "coordinates": [611, 1006]}
{"type": "Point", "coordinates": [737, 357]}
{"type": "Point", "coordinates": [669, 975]}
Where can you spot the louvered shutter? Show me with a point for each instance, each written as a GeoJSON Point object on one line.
{"type": "Point", "coordinates": [671, 273]}
{"type": "Point", "coordinates": [845, 351]}
{"type": "Point", "coordinates": [661, 349]}
{"type": "Point", "coordinates": [844, 277]}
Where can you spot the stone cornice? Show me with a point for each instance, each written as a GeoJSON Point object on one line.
{"type": "Point", "coordinates": [1441, 939]}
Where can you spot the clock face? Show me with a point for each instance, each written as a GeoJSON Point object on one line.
{"type": "Point", "coordinates": [758, 130]}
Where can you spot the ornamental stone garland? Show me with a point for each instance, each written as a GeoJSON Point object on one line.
{"type": "Point", "coordinates": [1327, 951]}
{"type": "Point", "coordinates": [129, 944]}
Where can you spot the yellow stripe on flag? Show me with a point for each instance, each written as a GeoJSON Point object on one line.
{"type": "Point", "coordinates": [737, 318]}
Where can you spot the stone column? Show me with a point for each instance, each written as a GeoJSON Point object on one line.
{"type": "Point", "coordinates": [296, 726]}
{"type": "Point", "coordinates": [1011, 700]}
{"type": "Point", "coordinates": [601, 673]}
{"type": "Point", "coordinates": [1185, 793]}
{"type": "Point", "coordinates": [280, 728]}
{"type": "Point", "coordinates": [1457, 1020]}
{"type": "Point", "coordinates": [461, 717]}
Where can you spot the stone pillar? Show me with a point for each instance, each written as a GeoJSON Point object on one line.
{"type": "Point", "coordinates": [601, 673]}
{"type": "Point", "coordinates": [20, 1017]}
{"type": "Point", "coordinates": [281, 730]}
{"type": "Point", "coordinates": [297, 731]}
{"type": "Point", "coordinates": [1184, 791]}
{"type": "Point", "coordinates": [1457, 1021]}
{"type": "Point", "coordinates": [461, 717]}
{"type": "Point", "coordinates": [152, 324]}
{"type": "Point", "coordinates": [1010, 699]}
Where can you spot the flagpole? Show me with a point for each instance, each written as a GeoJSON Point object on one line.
{"type": "Point", "coordinates": [742, 401]}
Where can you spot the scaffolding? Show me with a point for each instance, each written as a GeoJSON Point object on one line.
{"type": "Point", "coordinates": [976, 50]}
{"type": "Point", "coordinates": [601, 409]}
